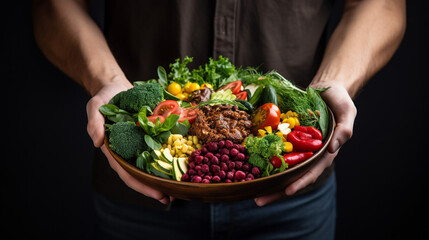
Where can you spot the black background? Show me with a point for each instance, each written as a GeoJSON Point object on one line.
{"type": "Point", "coordinates": [46, 161]}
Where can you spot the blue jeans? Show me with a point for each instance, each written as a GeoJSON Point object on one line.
{"type": "Point", "coordinates": [308, 216]}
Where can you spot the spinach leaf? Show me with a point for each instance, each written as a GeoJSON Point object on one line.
{"type": "Point", "coordinates": [162, 137]}
{"type": "Point", "coordinates": [180, 128]}
{"type": "Point", "coordinates": [115, 114]}
{"type": "Point", "coordinates": [169, 122]}
{"type": "Point", "coordinates": [152, 143]}
{"type": "Point", "coordinates": [143, 161]}
{"type": "Point", "coordinates": [320, 105]}
{"type": "Point", "coordinates": [162, 75]}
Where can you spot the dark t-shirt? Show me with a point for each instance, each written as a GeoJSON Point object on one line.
{"type": "Point", "coordinates": [287, 36]}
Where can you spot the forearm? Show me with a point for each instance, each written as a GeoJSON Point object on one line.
{"type": "Point", "coordinates": [363, 42]}
{"type": "Point", "coordinates": [72, 41]}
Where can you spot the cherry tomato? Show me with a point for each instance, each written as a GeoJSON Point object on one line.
{"type": "Point", "coordinates": [174, 88]}
{"type": "Point", "coordinates": [154, 117]}
{"type": "Point", "coordinates": [276, 161]}
{"type": "Point", "coordinates": [188, 113]}
{"type": "Point", "coordinates": [235, 86]}
{"type": "Point", "coordinates": [264, 116]}
{"type": "Point", "coordinates": [242, 95]}
{"type": "Point", "coordinates": [166, 108]}
{"type": "Point", "coordinates": [204, 85]}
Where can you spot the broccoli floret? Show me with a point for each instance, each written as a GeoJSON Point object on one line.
{"type": "Point", "coordinates": [275, 145]}
{"type": "Point", "coordinates": [258, 161]}
{"type": "Point", "coordinates": [255, 145]}
{"type": "Point", "coordinates": [127, 140]}
{"type": "Point", "coordinates": [267, 146]}
{"type": "Point", "coordinates": [132, 100]}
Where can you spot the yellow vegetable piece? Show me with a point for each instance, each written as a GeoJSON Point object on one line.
{"type": "Point", "coordinates": [194, 87]}
{"type": "Point", "coordinates": [208, 85]}
{"type": "Point", "coordinates": [291, 122]}
{"type": "Point", "coordinates": [280, 134]}
{"type": "Point", "coordinates": [174, 88]}
{"type": "Point", "coordinates": [187, 87]}
{"type": "Point", "coordinates": [297, 121]}
{"type": "Point", "coordinates": [262, 132]}
{"type": "Point", "coordinates": [288, 146]}
{"type": "Point", "coordinates": [181, 96]}
{"type": "Point", "coordinates": [269, 129]}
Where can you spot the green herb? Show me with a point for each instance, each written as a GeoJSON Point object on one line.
{"type": "Point", "coordinates": [179, 72]}
{"type": "Point", "coordinates": [216, 72]}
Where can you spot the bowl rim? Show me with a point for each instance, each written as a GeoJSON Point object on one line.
{"type": "Point", "coordinates": [137, 171]}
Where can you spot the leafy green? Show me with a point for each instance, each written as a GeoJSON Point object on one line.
{"type": "Point", "coordinates": [216, 72]}
{"type": "Point", "coordinates": [179, 72]}
{"type": "Point", "coordinates": [319, 105]}
{"type": "Point", "coordinates": [115, 114]}
{"type": "Point", "coordinates": [143, 161]}
{"type": "Point", "coordinates": [162, 75]}
{"type": "Point", "coordinates": [159, 132]}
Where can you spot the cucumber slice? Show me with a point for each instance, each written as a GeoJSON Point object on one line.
{"type": "Point", "coordinates": [177, 174]}
{"type": "Point", "coordinates": [166, 156]}
{"type": "Point", "coordinates": [165, 166]}
{"type": "Point", "coordinates": [158, 172]}
{"type": "Point", "coordinates": [183, 165]}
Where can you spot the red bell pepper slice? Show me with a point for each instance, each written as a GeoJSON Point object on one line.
{"type": "Point", "coordinates": [296, 157]}
{"type": "Point", "coordinates": [314, 132]}
{"type": "Point", "coordinates": [307, 140]}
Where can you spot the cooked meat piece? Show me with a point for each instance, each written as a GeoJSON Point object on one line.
{"type": "Point", "coordinates": [221, 122]}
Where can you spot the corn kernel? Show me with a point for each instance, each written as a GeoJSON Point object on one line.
{"type": "Point", "coordinates": [199, 146]}
{"type": "Point", "coordinates": [184, 148]}
{"type": "Point", "coordinates": [177, 142]}
{"type": "Point", "coordinates": [195, 140]}
{"type": "Point", "coordinates": [190, 143]}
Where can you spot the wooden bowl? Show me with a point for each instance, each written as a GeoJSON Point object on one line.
{"type": "Point", "coordinates": [224, 192]}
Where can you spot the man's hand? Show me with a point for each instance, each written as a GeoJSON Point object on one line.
{"type": "Point", "coordinates": [338, 99]}
{"type": "Point", "coordinates": [95, 130]}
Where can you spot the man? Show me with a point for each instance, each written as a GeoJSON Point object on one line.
{"type": "Point", "coordinates": [286, 36]}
